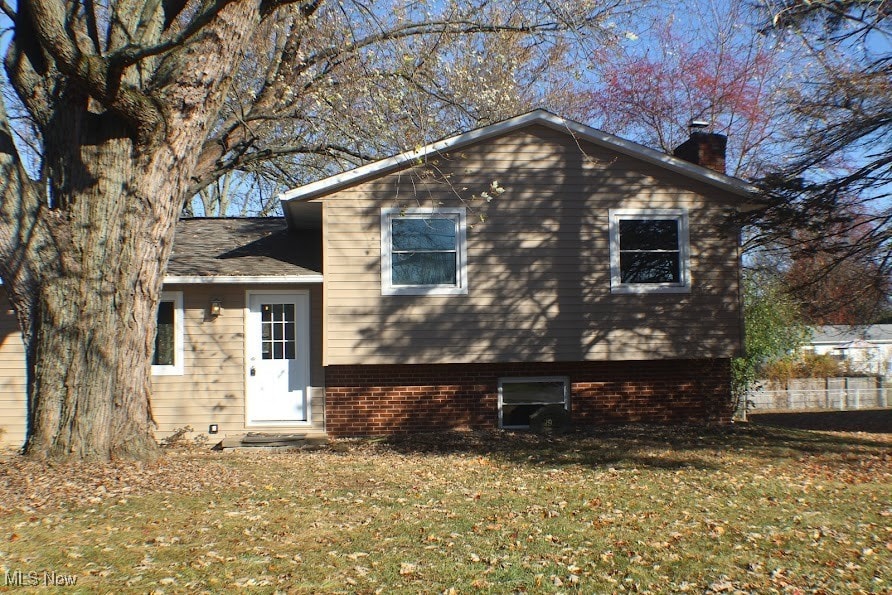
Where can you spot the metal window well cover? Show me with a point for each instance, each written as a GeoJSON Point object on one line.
{"type": "Point", "coordinates": [550, 419]}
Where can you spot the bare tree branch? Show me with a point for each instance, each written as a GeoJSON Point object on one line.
{"type": "Point", "coordinates": [92, 71]}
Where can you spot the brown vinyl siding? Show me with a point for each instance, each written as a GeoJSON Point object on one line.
{"type": "Point", "coordinates": [538, 262]}
{"type": "Point", "coordinates": [12, 377]}
{"type": "Point", "coordinates": [212, 389]}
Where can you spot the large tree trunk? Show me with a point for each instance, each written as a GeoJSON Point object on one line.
{"type": "Point", "coordinates": [92, 327]}
{"type": "Point", "coordinates": [88, 372]}
{"type": "Point", "coordinates": [91, 310]}
{"type": "Point", "coordinates": [84, 255]}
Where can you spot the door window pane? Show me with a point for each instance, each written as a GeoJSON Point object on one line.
{"type": "Point", "coordinates": [277, 331]}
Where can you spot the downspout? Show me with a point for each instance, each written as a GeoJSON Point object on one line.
{"type": "Point", "coordinates": [741, 347]}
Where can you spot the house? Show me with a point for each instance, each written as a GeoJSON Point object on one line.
{"type": "Point", "coordinates": [865, 349]}
{"type": "Point", "coordinates": [533, 265]}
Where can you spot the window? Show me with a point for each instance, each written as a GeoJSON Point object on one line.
{"type": "Point", "coordinates": [520, 398]}
{"type": "Point", "coordinates": [168, 357]}
{"type": "Point", "coordinates": [423, 251]}
{"type": "Point", "coordinates": [277, 331]}
{"type": "Point", "coordinates": [649, 251]}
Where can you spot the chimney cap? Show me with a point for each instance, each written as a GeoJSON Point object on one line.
{"type": "Point", "coordinates": [698, 125]}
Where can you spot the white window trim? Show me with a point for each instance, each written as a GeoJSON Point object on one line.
{"type": "Point", "coordinates": [177, 369]}
{"type": "Point", "coordinates": [461, 273]}
{"type": "Point", "coordinates": [680, 215]}
{"type": "Point", "coordinates": [523, 379]}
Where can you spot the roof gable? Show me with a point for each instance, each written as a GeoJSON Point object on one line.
{"type": "Point", "coordinates": [541, 117]}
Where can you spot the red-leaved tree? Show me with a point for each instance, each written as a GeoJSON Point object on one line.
{"type": "Point", "coordinates": [710, 66]}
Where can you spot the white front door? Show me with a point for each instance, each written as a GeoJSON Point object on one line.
{"type": "Point", "coordinates": [278, 357]}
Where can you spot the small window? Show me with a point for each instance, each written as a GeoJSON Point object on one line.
{"type": "Point", "coordinates": [521, 398]}
{"type": "Point", "coordinates": [277, 331]}
{"type": "Point", "coordinates": [423, 251]}
{"type": "Point", "coordinates": [168, 357]}
{"type": "Point", "coordinates": [649, 251]}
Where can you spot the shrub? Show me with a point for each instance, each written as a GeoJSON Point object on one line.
{"type": "Point", "coordinates": [780, 371]}
{"type": "Point", "coordinates": [808, 365]}
{"type": "Point", "coordinates": [820, 366]}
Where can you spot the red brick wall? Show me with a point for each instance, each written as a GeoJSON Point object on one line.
{"type": "Point", "coordinates": [387, 399]}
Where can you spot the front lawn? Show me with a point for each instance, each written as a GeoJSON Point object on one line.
{"type": "Point", "coordinates": [633, 509]}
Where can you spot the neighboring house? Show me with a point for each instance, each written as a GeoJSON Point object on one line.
{"type": "Point", "coordinates": [469, 283]}
{"type": "Point", "coordinates": [863, 349]}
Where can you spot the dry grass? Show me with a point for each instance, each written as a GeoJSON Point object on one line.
{"type": "Point", "coordinates": [630, 509]}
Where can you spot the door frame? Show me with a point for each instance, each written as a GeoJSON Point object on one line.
{"type": "Point", "coordinates": [303, 338]}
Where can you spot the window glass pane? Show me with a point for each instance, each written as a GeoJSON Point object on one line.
{"type": "Point", "coordinates": [648, 234]}
{"type": "Point", "coordinates": [424, 268]}
{"type": "Point", "coordinates": [423, 234]}
{"type": "Point", "coordinates": [277, 335]}
{"type": "Point", "coordinates": [266, 312]}
{"type": "Point", "coordinates": [518, 415]}
{"type": "Point", "coordinates": [164, 337]}
{"type": "Point", "coordinates": [650, 267]}
{"type": "Point", "coordinates": [533, 392]}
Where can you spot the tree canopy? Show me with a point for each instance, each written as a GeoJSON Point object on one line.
{"type": "Point", "coordinates": [831, 193]}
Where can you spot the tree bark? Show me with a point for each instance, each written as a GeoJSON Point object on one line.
{"type": "Point", "coordinates": [83, 252]}
{"type": "Point", "coordinates": [88, 379]}
{"type": "Point", "coordinates": [92, 307]}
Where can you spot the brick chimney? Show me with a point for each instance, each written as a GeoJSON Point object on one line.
{"type": "Point", "coordinates": [703, 148]}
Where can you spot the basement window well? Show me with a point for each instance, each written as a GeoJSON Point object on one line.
{"type": "Point", "coordinates": [522, 397]}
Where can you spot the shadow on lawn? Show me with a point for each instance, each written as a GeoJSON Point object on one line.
{"type": "Point", "coordinates": [634, 446]}
{"type": "Point", "coordinates": [874, 421]}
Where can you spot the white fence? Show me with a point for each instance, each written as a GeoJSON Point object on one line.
{"type": "Point", "coordinates": [841, 394]}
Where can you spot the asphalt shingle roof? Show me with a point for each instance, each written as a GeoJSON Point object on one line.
{"type": "Point", "coordinates": [840, 333]}
{"type": "Point", "coordinates": [244, 247]}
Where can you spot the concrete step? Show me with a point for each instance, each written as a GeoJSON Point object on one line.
{"type": "Point", "coordinates": [271, 441]}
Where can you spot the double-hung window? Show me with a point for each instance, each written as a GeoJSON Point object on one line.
{"type": "Point", "coordinates": [423, 251]}
{"type": "Point", "coordinates": [649, 251]}
{"type": "Point", "coordinates": [168, 357]}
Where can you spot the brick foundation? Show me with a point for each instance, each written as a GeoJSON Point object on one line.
{"type": "Point", "coordinates": [388, 399]}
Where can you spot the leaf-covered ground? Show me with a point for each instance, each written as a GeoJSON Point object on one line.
{"type": "Point", "coordinates": [634, 509]}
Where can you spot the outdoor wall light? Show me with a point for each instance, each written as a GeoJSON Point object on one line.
{"type": "Point", "coordinates": [213, 429]}
{"type": "Point", "coordinates": [216, 308]}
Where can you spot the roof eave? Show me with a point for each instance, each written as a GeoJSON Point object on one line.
{"type": "Point", "coordinates": [372, 170]}
{"type": "Point", "coordinates": [241, 279]}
